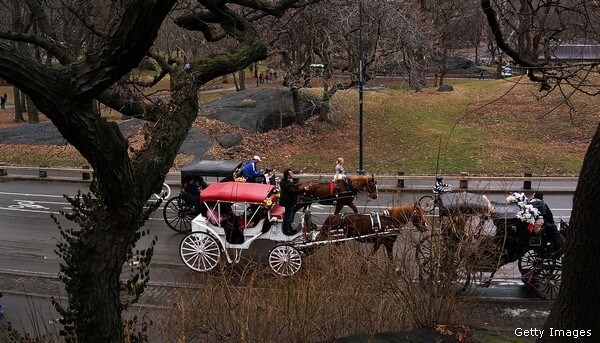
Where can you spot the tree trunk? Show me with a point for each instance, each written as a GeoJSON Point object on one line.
{"type": "Point", "coordinates": [18, 109]}
{"type": "Point", "coordinates": [23, 100]}
{"type": "Point", "coordinates": [242, 80]}
{"type": "Point", "coordinates": [235, 82]}
{"type": "Point", "coordinates": [32, 112]}
{"type": "Point", "coordinates": [577, 305]}
{"type": "Point", "coordinates": [324, 108]}
{"type": "Point", "coordinates": [256, 73]}
{"type": "Point", "coordinates": [296, 101]}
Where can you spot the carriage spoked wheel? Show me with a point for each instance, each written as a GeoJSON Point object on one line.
{"type": "Point", "coordinates": [542, 276]}
{"type": "Point", "coordinates": [179, 212]}
{"type": "Point", "coordinates": [427, 203]}
{"type": "Point", "coordinates": [285, 260]}
{"type": "Point", "coordinates": [200, 251]}
{"type": "Point", "coordinates": [438, 267]}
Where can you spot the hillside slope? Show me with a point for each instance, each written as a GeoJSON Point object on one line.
{"type": "Point", "coordinates": [483, 127]}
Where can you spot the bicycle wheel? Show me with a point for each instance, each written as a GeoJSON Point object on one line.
{"type": "Point", "coordinates": [427, 203]}
{"type": "Point", "coordinates": [165, 192]}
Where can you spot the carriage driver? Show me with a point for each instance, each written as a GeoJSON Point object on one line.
{"type": "Point", "coordinates": [249, 172]}
{"type": "Point", "coordinates": [289, 198]}
{"type": "Point", "coordinates": [548, 226]}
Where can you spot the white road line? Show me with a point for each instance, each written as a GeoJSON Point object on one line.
{"type": "Point", "coordinates": [32, 195]}
{"type": "Point", "coordinates": [26, 210]}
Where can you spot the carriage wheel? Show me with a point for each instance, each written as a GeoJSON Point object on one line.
{"type": "Point", "coordinates": [547, 279]}
{"type": "Point", "coordinates": [438, 265]}
{"type": "Point", "coordinates": [179, 213]}
{"type": "Point", "coordinates": [543, 276]}
{"type": "Point", "coordinates": [285, 260]}
{"type": "Point", "coordinates": [200, 251]}
{"type": "Point", "coordinates": [427, 203]}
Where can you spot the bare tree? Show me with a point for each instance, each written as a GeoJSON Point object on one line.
{"type": "Point", "coordinates": [111, 218]}
{"type": "Point", "coordinates": [529, 32]}
{"type": "Point", "coordinates": [393, 35]}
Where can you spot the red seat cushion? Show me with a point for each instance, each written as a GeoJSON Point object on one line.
{"type": "Point", "coordinates": [278, 212]}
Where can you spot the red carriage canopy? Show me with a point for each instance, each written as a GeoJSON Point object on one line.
{"type": "Point", "coordinates": [236, 192]}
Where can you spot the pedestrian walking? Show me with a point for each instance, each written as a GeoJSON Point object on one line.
{"type": "Point", "coordinates": [3, 100]}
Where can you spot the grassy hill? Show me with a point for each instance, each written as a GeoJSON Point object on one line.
{"type": "Point", "coordinates": [482, 127]}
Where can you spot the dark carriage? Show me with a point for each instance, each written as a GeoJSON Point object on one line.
{"type": "Point", "coordinates": [475, 237]}
{"type": "Point", "coordinates": [180, 210]}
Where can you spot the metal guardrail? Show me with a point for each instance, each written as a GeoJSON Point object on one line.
{"type": "Point", "coordinates": [398, 181]}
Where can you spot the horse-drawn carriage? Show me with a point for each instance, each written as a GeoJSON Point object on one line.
{"type": "Point", "coordinates": [476, 237]}
{"type": "Point", "coordinates": [232, 215]}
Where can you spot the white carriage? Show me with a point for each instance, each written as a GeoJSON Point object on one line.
{"type": "Point", "coordinates": [232, 216]}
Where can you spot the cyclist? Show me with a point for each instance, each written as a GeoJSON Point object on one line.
{"type": "Point", "coordinates": [440, 186]}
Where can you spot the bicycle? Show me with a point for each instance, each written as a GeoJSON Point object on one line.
{"type": "Point", "coordinates": [428, 203]}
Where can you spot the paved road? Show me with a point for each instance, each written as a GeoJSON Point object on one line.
{"type": "Point", "coordinates": [29, 267]}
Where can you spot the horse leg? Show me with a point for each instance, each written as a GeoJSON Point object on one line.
{"type": "Point", "coordinates": [389, 246]}
{"type": "Point", "coordinates": [376, 245]}
{"type": "Point", "coordinates": [352, 206]}
{"type": "Point", "coordinates": [338, 208]}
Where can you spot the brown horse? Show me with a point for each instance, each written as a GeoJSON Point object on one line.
{"type": "Point", "coordinates": [376, 228]}
{"type": "Point", "coordinates": [340, 193]}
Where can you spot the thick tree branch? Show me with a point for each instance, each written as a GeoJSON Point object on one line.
{"type": "Point", "coordinates": [61, 54]}
{"type": "Point", "coordinates": [84, 20]}
{"type": "Point", "coordinates": [491, 16]}
{"type": "Point", "coordinates": [136, 29]}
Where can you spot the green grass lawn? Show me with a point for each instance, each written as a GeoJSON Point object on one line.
{"type": "Point", "coordinates": [482, 127]}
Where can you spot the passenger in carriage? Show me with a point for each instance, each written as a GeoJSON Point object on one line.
{"type": "Point", "coordinates": [195, 185]}
{"type": "Point", "coordinates": [288, 199]}
{"type": "Point", "coordinates": [250, 172]}
{"type": "Point", "coordinates": [548, 228]}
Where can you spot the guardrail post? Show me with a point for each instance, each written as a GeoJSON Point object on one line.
{"type": "Point", "coordinates": [85, 176]}
{"type": "Point", "coordinates": [43, 172]}
{"type": "Point", "coordinates": [463, 183]}
{"type": "Point", "coordinates": [400, 180]}
{"type": "Point", "coordinates": [527, 183]}
{"type": "Point", "coordinates": [2, 170]}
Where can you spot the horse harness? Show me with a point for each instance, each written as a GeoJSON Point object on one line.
{"type": "Point", "coordinates": [377, 224]}
{"type": "Point", "coordinates": [334, 189]}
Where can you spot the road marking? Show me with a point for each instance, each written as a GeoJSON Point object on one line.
{"type": "Point", "coordinates": [24, 210]}
{"type": "Point", "coordinates": [32, 195]}
{"type": "Point", "coordinates": [28, 204]}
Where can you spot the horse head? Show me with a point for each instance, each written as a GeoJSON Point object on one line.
{"type": "Point", "coordinates": [409, 213]}
{"type": "Point", "coordinates": [418, 217]}
{"type": "Point", "coordinates": [366, 183]}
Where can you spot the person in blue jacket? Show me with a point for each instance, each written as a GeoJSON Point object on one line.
{"type": "Point", "coordinates": [250, 172]}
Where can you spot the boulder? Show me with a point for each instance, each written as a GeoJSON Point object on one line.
{"type": "Point", "coordinates": [260, 109]}
{"type": "Point", "coordinates": [445, 88]}
{"type": "Point", "coordinates": [228, 140]}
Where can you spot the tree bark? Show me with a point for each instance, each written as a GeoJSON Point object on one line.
{"type": "Point", "coordinates": [577, 305]}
